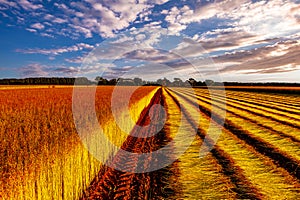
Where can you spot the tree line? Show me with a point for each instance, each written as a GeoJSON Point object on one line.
{"type": "Point", "coordinates": [176, 82]}
{"type": "Point", "coordinates": [46, 81]}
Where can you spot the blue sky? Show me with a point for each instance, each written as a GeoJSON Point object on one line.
{"type": "Point", "coordinates": [248, 41]}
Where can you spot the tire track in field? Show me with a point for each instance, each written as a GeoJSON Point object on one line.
{"type": "Point", "coordinates": [279, 158]}
{"type": "Point", "coordinates": [279, 133]}
{"type": "Point", "coordinates": [243, 188]}
{"type": "Point", "coordinates": [113, 184]}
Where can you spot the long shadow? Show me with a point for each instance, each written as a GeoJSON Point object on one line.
{"type": "Point", "coordinates": [114, 184]}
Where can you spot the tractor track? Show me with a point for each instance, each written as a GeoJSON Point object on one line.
{"type": "Point", "coordinates": [113, 184]}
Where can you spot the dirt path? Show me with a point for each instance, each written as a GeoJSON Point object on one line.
{"type": "Point", "coordinates": [113, 184]}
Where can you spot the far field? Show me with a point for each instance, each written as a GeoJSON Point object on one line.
{"type": "Point", "coordinates": [256, 155]}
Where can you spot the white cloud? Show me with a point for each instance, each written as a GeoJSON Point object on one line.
{"type": "Point", "coordinates": [59, 20]}
{"type": "Point", "coordinates": [77, 60]}
{"type": "Point", "coordinates": [34, 70]}
{"type": "Point", "coordinates": [267, 18]}
{"type": "Point", "coordinates": [8, 4]}
{"type": "Point", "coordinates": [87, 32]}
{"type": "Point", "coordinates": [264, 18]}
{"type": "Point", "coordinates": [47, 35]}
{"type": "Point", "coordinates": [108, 17]}
{"type": "Point", "coordinates": [77, 47]}
{"type": "Point", "coordinates": [31, 30]}
{"type": "Point", "coordinates": [281, 56]}
{"type": "Point", "coordinates": [84, 18]}
{"type": "Point", "coordinates": [40, 70]}
{"type": "Point", "coordinates": [174, 18]}
{"type": "Point", "coordinates": [27, 5]}
{"type": "Point", "coordinates": [38, 26]}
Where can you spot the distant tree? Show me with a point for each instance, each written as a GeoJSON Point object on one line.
{"type": "Point", "coordinates": [186, 83]}
{"type": "Point", "coordinates": [166, 82]}
{"type": "Point", "coordinates": [82, 81]}
{"type": "Point", "coordinates": [159, 81]}
{"type": "Point", "coordinates": [193, 82]}
{"type": "Point", "coordinates": [112, 81]}
{"type": "Point", "coordinates": [126, 81]}
{"type": "Point", "coordinates": [177, 82]}
{"type": "Point", "coordinates": [138, 81]}
{"type": "Point", "coordinates": [101, 81]}
{"type": "Point", "coordinates": [209, 82]}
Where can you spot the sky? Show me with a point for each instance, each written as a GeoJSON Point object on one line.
{"type": "Point", "coordinates": [231, 40]}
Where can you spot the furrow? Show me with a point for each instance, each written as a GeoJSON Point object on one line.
{"type": "Point", "coordinates": [265, 148]}
{"type": "Point", "coordinates": [242, 186]}
{"type": "Point", "coordinates": [289, 100]}
{"type": "Point", "coordinates": [257, 159]}
{"type": "Point", "coordinates": [284, 119]}
{"type": "Point", "coordinates": [255, 119]}
{"type": "Point", "coordinates": [113, 184]}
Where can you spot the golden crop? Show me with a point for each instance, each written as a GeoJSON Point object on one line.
{"type": "Point", "coordinates": [256, 155]}
{"type": "Point", "coordinates": [42, 157]}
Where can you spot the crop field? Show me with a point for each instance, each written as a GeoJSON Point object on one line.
{"type": "Point", "coordinates": [42, 156]}
{"type": "Point", "coordinates": [254, 139]}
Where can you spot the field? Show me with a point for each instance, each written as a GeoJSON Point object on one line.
{"type": "Point", "coordinates": [42, 156]}
{"type": "Point", "coordinates": [254, 138]}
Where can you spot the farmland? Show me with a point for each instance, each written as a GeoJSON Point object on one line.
{"type": "Point", "coordinates": [42, 156]}
{"type": "Point", "coordinates": [256, 155]}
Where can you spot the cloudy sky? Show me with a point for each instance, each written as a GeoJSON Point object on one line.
{"type": "Point", "coordinates": [233, 40]}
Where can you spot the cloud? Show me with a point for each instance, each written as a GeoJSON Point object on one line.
{"type": "Point", "coordinates": [26, 5]}
{"type": "Point", "coordinates": [31, 30]}
{"type": "Point", "coordinates": [87, 32]}
{"type": "Point", "coordinates": [34, 70]}
{"type": "Point", "coordinates": [81, 18]}
{"type": "Point", "coordinates": [278, 69]}
{"type": "Point", "coordinates": [153, 55]}
{"type": "Point", "coordinates": [8, 4]}
{"type": "Point", "coordinates": [59, 20]}
{"type": "Point", "coordinates": [264, 18]}
{"type": "Point", "coordinates": [66, 70]}
{"type": "Point", "coordinates": [174, 18]}
{"type": "Point", "coordinates": [47, 35]}
{"type": "Point", "coordinates": [77, 47]}
{"type": "Point", "coordinates": [37, 26]}
{"type": "Point", "coordinates": [40, 70]}
{"type": "Point", "coordinates": [106, 17]}
{"type": "Point", "coordinates": [272, 58]}
{"type": "Point", "coordinates": [77, 60]}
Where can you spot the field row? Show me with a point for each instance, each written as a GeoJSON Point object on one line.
{"type": "Point", "coordinates": [263, 162]}
{"type": "Point", "coordinates": [233, 154]}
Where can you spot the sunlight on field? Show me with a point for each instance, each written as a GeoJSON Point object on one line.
{"type": "Point", "coordinates": [42, 156]}
{"type": "Point", "coordinates": [256, 156]}
{"type": "Point", "coordinates": [261, 172]}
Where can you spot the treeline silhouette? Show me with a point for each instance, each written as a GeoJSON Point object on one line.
{"type": "Point", "coordinates": [46, 81]}
{"type": "Point", "coordinates": [176, 82]}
